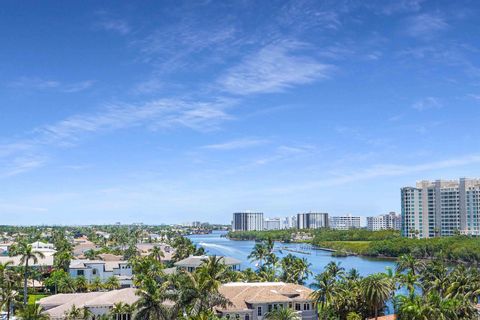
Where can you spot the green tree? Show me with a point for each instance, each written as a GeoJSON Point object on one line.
{"type": "Point", "coordinates": [32, 312]}
{"type": "Point", "coordinates": [282, 314]}
{"type": "Point", "coordinates": [377, 289]}
{"type": "Point", "coordinates": [27, 254]}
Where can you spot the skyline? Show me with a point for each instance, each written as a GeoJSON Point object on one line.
{"type": "Point", "coordinates": [173, 111]}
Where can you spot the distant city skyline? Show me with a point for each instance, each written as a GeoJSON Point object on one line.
{"type": "Point", "coordinates": [164, 112]}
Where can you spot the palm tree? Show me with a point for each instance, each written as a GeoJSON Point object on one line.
{"type": "Point", "coordinates": [259, 253]}
{"type": "Point", "coordinates": [81, 284]}
{"type": "Point", "coordinates": [282, 314]}
{"type": "Point", "coordinates": [334, 269]}
{"type": "Point", "coordinates": [117, 310]}
{"type": "Point", "coordinates": [26, 253]}
{"type": "Point", "coordinates": [157, 253]}
{"type": "Point", "coordinates": [295, 269]}
{"type": "Point", "coordinates": [151, 303]}
{"type": "Point", "coordinates": [377, 289]}
{"type": "Point", "coordinates": [325, 290]}
{"type": "Point", "coordinates": [213, 272]}
{"type": "Point", "coordinates": [195, 293]}
{"type": "Point", "coordinates": [32, 312]}
{"type": "Point", "coordinates": [112, 283]}
{"type": "Point", "coordinates": [410, 264]}
{"type": "Point", "coordinates": [74, 313]}
{"type": "Point", "coordinates": [96, 284]}
{"type": "Point", "coordinates": [8, 296]}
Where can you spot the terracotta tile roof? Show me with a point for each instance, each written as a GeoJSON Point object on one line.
{"type": "Point", "coordinates": [388, 317]}
{"type": "Point", "coordinates": [241, 294]}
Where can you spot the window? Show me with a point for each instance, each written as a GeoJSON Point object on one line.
{"type": "Point", "coordinates": [247, 317]}
{"type": "Point", "coordinates": [306, 306]}
{"type": "Point", "coordinates": [269, 308]}
{"type": "Point", "coordinates": [298, 307]}
{"type": "Point", "coordinates": [79, 272]}
{"type": "Point", "coordinates": [259, 311]}
{"type": "Point", "coordinates": [94, 271]}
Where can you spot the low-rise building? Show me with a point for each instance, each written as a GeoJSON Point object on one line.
{"type": "Point", "coordinates": [98, 303]}
{"type": "Point", "coordinates": [251, 301]}
{"type": "Point", "coordinates": [345, 222]}
{"type": "Point", "coordinates": [272, 224]}
{"type": "Point", "coordinates": [390, 221]}
{"type": "Point", "coordinates": [91, 269]}
{"type": "Point", "coordinates": [191, 263]}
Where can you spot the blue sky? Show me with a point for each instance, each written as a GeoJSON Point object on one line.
{"type": "Point", "coordinates": [172, 111]}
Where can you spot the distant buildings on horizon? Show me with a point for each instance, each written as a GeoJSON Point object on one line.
{"type": "Point", "coordinates": [441, 208]}
{"type": "Point", "coordinates": [255, 221]}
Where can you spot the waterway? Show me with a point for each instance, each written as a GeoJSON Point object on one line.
{"type": "Point", "coordinates": [215, 244]}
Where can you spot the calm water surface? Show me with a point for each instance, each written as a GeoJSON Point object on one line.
{"type": "Point", "coordinates": [217, 245]}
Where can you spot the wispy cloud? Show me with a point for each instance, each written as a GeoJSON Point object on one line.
{"type": "Point", "coordinates": [425, 25]}
{"type": "Point", "coordinates": [106, 21]}
{"type": "Point", "coordinates": [20, 164]}
{"type": "Point", "coordinates": [236, 144]}
{"type": "Point", "coordinates": [40, 84]}
{"type": "Point", "coordinates": [274, 68]}
{"type": "Point", "coordinates": [427, 103]}
{"type": "Point", "coordinates": [23, 155]}
{"type": "Point", "coordinates": [383, 170]}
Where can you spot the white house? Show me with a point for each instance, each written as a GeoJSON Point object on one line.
{"type": "Point", "coordinates": [91, 269]}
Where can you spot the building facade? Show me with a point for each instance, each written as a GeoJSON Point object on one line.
{"type": "Point", "coordinates": [312, 220]}
{"type": "Point", "coordinates": [390, 221]}
{"type": "Point", "coordinates": [91, 269]}
{"type": "Point", "coordinates": [247, 221]}
{"type": "Point", "coordinates": [251, 301]}
{"type": "Point", "coordinates": [272, 224]}
{"type": "Point", "coordinates": [345, 222]}
{"type": "Point", "coordinates": [441, 208]}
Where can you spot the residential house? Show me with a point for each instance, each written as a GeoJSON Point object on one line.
{"type": "Point", "coordinates": [99, 303]}
{"type": "Point", "coordinates": [193, 262]}
{"type": "Point", "coordinates": [251, 301]}
{"type": "Point", "coordinates": [91, 269]}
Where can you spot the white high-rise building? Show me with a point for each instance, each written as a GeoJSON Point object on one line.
{"type": "Point", "coordinates": [344, 222]}
{"type": "Point", "coordinates": [390, 221]}
{"type": "Point", "coordinates": [441, 208]}
{"type": "Point", "coordinates": [289, 222]}
{"type": "Point", "coordinates": [272, 224]}
{"type": "Point", "coordinates": [312, 220]}
{"type": "Point", "coordinates": [247, 221]}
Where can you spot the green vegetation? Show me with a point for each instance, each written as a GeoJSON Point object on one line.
{"type": "Point", "coordinates": [276, 235]}
{"type": "Point", "coordinates": [354, 235]}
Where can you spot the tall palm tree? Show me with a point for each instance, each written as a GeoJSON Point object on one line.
{"type": "Point", "coordinates": [32, 312]}
{"type": "Point", "coordinates": [213, 272]}
{"type": "Point", "coordinates": [259, 253]}
{"type": "Point", "coordinates": [377, 289]}
{"type": "Point", "coordinates": [282, 314]}
{"type": "Point", "coordinates": [152, 303]}
{"type": "Point", "coordinates": [157, 253]}
{"type": "Point", "coordinates": [410, 264]}
{"type": "Point", "coordinates": [325, 290]}
{"type": "Point", "coordinates": [335, 269]}
{"type": "Point", "coordinates": [27, 254]}
{"type": "Point", "coordinates": [295, 269]}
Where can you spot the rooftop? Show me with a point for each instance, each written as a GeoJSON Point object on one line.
{"type": "Point", "coordinates": [241, 294]}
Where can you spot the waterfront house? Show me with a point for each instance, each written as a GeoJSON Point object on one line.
{"type": "Point", "coordinates": [191, 263]}
{"type": "Point", "coordinates": [251, 301]}
{"type": "Point", "coordinates": [91, 269]}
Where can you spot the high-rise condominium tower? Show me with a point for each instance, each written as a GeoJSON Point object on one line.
{"type": "Point", "coordinates": [441, 208]}
{"type": "Point", "coordinates": [247, 221]}
{"type": "Point", "coordinates": [312, 220]}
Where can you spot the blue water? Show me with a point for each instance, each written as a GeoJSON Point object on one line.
{"type": "Point", "coordinates": [217, 245]}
